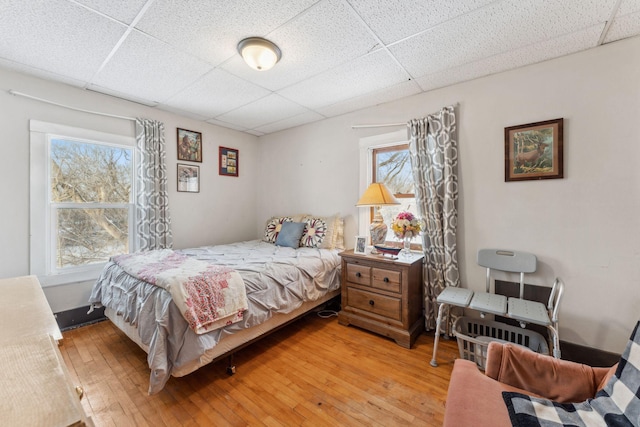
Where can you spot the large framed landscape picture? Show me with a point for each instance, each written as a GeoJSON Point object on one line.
{"type": "Point", "coordinates": [534, 151]}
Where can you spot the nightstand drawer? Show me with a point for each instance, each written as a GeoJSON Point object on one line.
{"type": "Point", "coordinates": [359, 274]}
{"type": "Point", "coordinates": [387, 280]}
{"type": "Point", "coordinates": [389, 307]}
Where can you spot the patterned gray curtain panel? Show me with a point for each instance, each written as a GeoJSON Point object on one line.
{"type": "Point", "coordinates": [434, 161]}
{"type": "Point", "coordinates": [153, 223]}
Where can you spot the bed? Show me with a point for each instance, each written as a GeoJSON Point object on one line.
{"type": "Point", "coordinates": [281, 284]}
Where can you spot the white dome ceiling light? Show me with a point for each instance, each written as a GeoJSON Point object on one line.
{"type": "Point", "coordinates": [258, 53]}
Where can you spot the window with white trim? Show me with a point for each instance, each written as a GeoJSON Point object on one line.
{"type": "Point", "coordinates": [82, 201]}
{"type": "Point", "coordinates": [385, 158]}
{"type": "Point", "coordinates": [391, 165]}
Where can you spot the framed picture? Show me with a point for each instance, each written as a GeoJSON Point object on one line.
{"type": "Point", "coordinates": [188, 178]}
{"type": "Point", "coordinates": [533, 151]}
{"type": "Point", "coordinates": [361, 245]}
{"type": "Point", "coordinates": [189, 145]}
{"type": "Point", "coordinates": [229, 159]}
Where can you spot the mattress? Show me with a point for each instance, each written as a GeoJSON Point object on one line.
{"type": "Point", "coordinates": [281, 283]}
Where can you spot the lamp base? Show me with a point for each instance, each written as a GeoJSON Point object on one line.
{"type": "Point", "coordinates": [378, 232]}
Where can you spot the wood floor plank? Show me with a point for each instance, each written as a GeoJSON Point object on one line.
{"type": "Point", "coordinates": [314, 372]}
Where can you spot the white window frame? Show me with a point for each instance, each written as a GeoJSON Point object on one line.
{"type": "Point", "coordinates": [42, 225]}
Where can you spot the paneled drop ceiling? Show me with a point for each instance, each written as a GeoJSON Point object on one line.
{"type": "Point", "coordinates": [337, 55]}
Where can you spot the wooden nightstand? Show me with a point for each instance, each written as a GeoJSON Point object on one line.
{"type": "Point", "coordinates": [383, 295]}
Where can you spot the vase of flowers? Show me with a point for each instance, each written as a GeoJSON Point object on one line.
{"type": "Point", "coordinates": [406, 226]}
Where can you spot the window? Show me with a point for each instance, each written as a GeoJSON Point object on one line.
{"type": "Point", "coordinates": [81, 203]}
{"type": "Point", "coordinates": [392, 166]}
{"type": "Point", "coordinates": [90, 201]}
{"type": "Point", "coordinates": [385, 158]}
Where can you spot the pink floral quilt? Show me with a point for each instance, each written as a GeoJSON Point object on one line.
{"type": "Point", "coordinates": [208, 296]}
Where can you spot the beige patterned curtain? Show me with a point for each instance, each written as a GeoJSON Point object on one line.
{"type": "Point", "coordinates": [153, 222]}
{"type": "Point", "coordinates": [434, 161]}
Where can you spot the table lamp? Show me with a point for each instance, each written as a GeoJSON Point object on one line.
{"type": "Point", "coordinates": [375, 196]}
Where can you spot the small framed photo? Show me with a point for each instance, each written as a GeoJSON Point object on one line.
{"type": "Point", "coordinates": [361, 245]}
{"type": "Point", "coordinates": [189, 145]}
{"type": "Point", "coordinates": [533, 151]}
{"type": "Point", "coordinates": [229, 161]}
{"type": "Point", "coordinates": [188, 178]}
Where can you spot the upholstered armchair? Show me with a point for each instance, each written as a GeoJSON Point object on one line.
{"type": "Point", "coordinates": [475, 398]}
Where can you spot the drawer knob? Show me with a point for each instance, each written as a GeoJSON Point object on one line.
{"type": "Point", "coordinates": [371, 302]}
{"type": "Point", "coordinates": [385, 280]}
{"type": "Point", "coordinates": [358, 274]}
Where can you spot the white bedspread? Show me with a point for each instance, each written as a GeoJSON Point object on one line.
{"type": "Point", "coordinates": [277, 280]}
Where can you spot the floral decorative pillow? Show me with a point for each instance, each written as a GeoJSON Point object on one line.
{"type": "Point", "coordinates": [274, 225]}
{"type": "Point", "coordinates": [323, 232]}
{"type": "Point", "coordinates": [314, 233]}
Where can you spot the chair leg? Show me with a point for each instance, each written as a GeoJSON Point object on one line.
{"type": "Point", "coordinates": [437, 337]}
{"type": "Point", "coordinates": [555, 340]}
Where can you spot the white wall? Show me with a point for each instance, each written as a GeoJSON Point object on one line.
{"type": "Point", "coordinates": [583, 228]}
{"type": "Point", "coordinates": [215, 215]}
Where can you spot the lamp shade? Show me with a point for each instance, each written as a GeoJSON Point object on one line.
{"type": "Point", "coordinates": [258, 53]}
{"type": "Point", "coordinates": [377, 195]}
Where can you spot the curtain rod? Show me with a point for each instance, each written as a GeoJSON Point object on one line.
{"type": "Point", "coordinates": [378, 126]}
{"type": "Point", "coordinates": [46, 101]}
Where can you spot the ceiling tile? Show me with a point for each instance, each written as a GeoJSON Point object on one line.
{"type": "Point", "coordinates": [531, 54]}
{"type": "Point", "coordinates": [323, 37]}
{"type": "Point", "coordinates": [495, 29]}
{"type": "Point", "coordinates": [227, 125]}
{"type": "Point", "coordinates": [56, 36]}
{"type": "Point", "coordinates": [365, 74]}
{"type": "Point", "coordinates": [211, 30]}
{"type": "Point", "coordinates": [149, 69]}
{"type": "Point", "coordinates": [216, 93]}
{"type": "Point", "coordinates": [36, 72]}
{"type": "Point", "coordinates": [623, 26]}
{"type": "Point", "coordinates": [401, 90]}
{"type": "Point", "coordinates": [181, 112]}
{"type": "Point", "coordinates": [627, 7]}
{"type": "Point", "coordinates": [290, 122]}
{"type": "Point", "coordinates": [266, 110]}
{"type": "Point", "coordinates": [393, 20]}
{"type": "Point", "coordinates": [122, 10]}
{"type": "Point", "coordinates": [123, 95]}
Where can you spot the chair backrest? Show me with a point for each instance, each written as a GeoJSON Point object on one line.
{"type": "Point", "coordinates": [506, 260]}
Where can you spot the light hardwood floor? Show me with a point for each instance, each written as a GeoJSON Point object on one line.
{"type": "Point", "coordinates": [313, 372]}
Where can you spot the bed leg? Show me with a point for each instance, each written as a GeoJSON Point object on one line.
{"type": "Point", "coordinates": [231, 367]}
